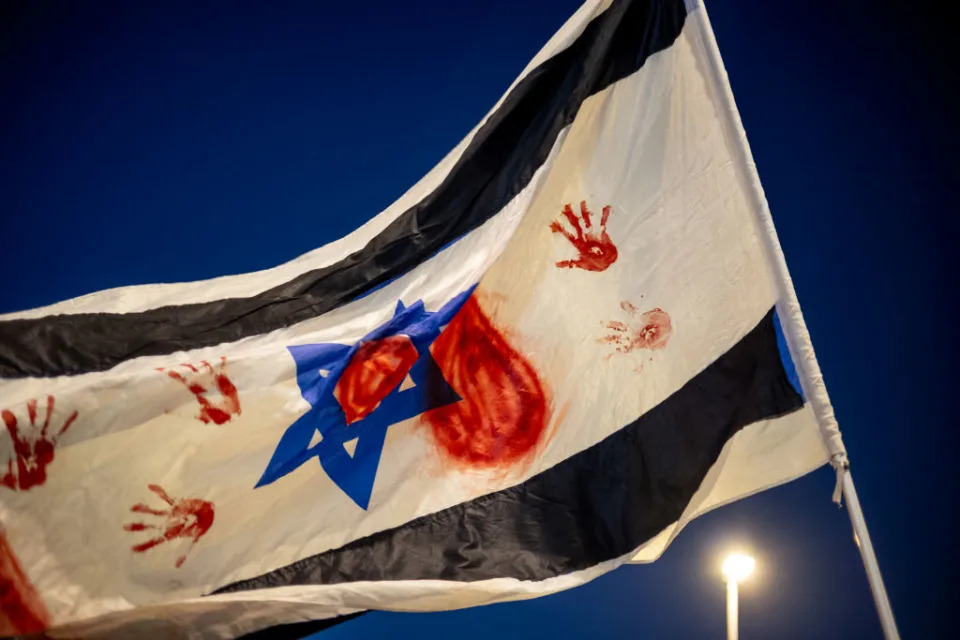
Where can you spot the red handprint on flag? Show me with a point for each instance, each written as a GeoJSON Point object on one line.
{"type": "Point", "coordinates": [213, 389]}
{"type": "Point", "coordinates": [187, 518]}
{"type": "Point", "coordinates": [652, 330]}
{"type": "Point", "coordinates": [33, 447]}
{"type": "Point", "coordinates": [596, 249]}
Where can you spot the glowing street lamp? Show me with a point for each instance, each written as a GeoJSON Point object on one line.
{"type": "Point", "coordinates": [736, 567]}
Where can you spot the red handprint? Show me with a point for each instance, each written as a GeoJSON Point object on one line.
{"type": "Point", "coordinates": [597, 251]}
{"type": "Point", "coordinates": [201, 381]}
{"type": "Point", "coordinates": [32, 453]}
{"type": "Point", "coordinates": [188, 518]}
{"type": "Point", "coordinates": [652, 331]}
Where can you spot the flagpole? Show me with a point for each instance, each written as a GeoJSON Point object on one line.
{"type": "Point", "coordinates": [794, 327]}
{"type": "Point", "coordinates": [862, 538]}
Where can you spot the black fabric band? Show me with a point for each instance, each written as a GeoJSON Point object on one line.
{"type": "Point", "coordinates": [597, 505]}
{"type": "Point", "coordinates": [499, 162]}
{"type": "Point", "coordinates": [298, 630]}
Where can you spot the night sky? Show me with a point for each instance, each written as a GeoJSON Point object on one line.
{"type": "Point", "coordinates": [160, 142]}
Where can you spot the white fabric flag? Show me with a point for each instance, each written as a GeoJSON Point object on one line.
{"type": "Point", "coordinates": [539, 363]}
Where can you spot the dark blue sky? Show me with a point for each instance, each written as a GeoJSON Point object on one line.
{"type": "Point", "coordinates": [145, 142]}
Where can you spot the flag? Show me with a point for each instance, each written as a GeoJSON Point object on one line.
{"type": "Point", "coordinates": [563, 343]}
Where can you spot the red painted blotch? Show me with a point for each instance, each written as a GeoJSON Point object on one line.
{"type": "Point", "coordinates": [21, 608]}
{"type": "Point", "coordinates": [375, 369]}
{"type": "Point", "coordinates": [504, 410]}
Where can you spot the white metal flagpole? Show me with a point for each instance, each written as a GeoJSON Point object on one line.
{"type": "Point", "coordinates": [862, 537]}
{"type": "Point", "coordinates": [788, 308]}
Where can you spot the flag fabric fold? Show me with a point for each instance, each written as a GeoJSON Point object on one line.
{"type": "Point", "coordinates": [542, 361]}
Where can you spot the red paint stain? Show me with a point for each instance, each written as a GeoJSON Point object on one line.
{"type": "Point", "coordinates": [504, 410]}
{"type": "Point", "coordinates": [186, 518]}
{"type": "Point", "coordinates": [651, 330]}
{"type": "Point", "coordinates": [213, 389]}
{"type": "Point", "coordinates": [596, 249]}
{"type": "Point", "coordinates": [375, 369]}
{"type": "Point", "coordinates": [21, 608]}
{"type": "Point", "coordinates": [32, 451]}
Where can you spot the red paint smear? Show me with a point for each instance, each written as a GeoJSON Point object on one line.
{"type": "Point", "coordinates": [188, 518]}
{"type": "Point", "coordinates": [28, 468]}
{"type": "Point", "coordinates": [201, 381]}
{"type": "Point", "coordinates": [21, 608]}
{"type": "Point", "coordinates": [504, 411]}
{"type": "Point", "coordinates": [656, 330]}
{"type": "Point", "coordinates": [374, 371]}
{"type": "Point", "coordinates": [596, 249]}
{"type": "Point", "coordinates": [652, 330]}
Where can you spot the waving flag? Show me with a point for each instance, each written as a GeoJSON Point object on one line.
{"type": "Point", "coordinates": [552, 352]}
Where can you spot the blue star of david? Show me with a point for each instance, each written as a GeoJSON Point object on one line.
{"type": "Point", "coordinates": [319, 367]}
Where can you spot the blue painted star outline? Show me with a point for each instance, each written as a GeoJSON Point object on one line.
{"type": "Point", "coordinates": [319, 367]}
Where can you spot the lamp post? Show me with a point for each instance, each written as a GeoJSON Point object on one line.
{"type": "Point", "coordinates": [736, 567]}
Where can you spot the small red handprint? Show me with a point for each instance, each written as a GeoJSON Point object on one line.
{"type": "Point", "coordinates": [187, 518]}
{"type": "Point", "coordinates": [597, 251]}
{"type": "Point", "coordinates": [202, 383]}
{"type": "Point", "coordinates": [652, 330]}
{"type": "Point", "coordinates": [34, 451]}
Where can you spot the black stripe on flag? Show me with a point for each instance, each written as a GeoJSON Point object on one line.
{"type": "Point", "coordinates": [299, 630]}
{"type": "Point", "coordinates": [499, 162]}
{"type": "Point", "coordinates": [597, 505]}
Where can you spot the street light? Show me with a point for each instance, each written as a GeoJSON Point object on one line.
{"type": "Point", "coordinates": [736, 567]}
